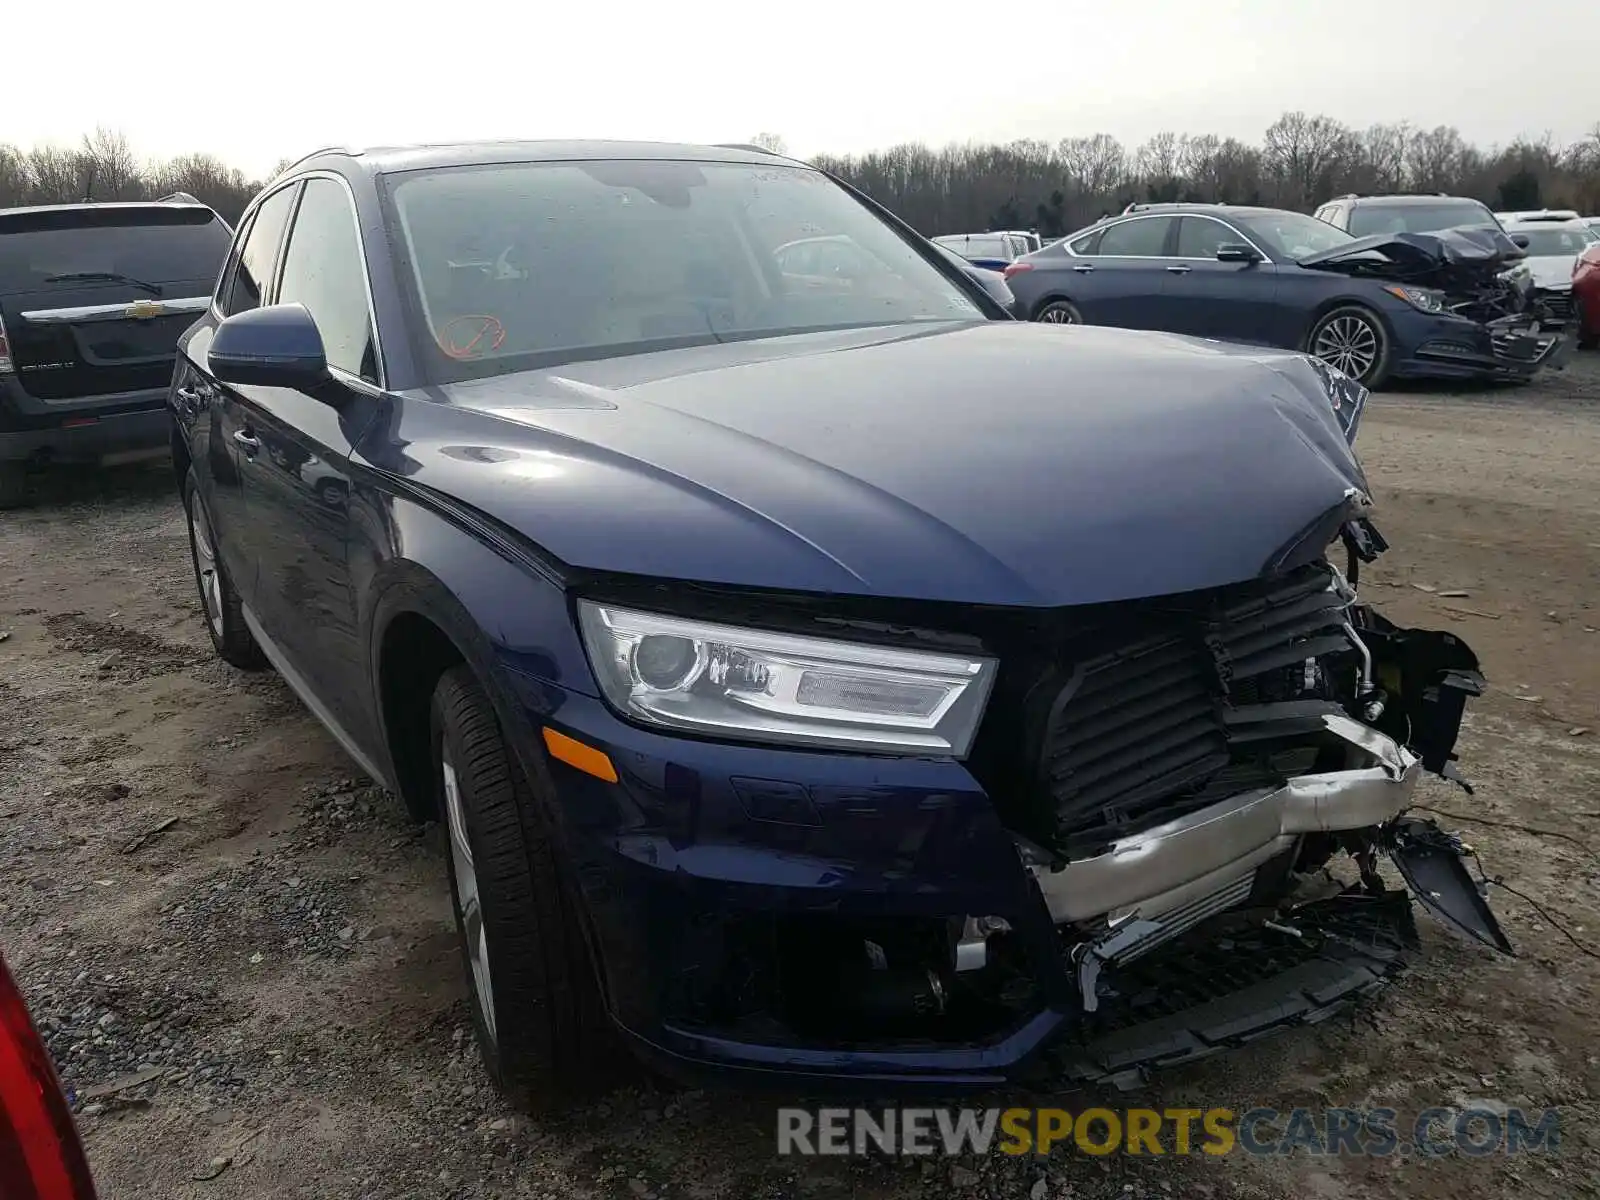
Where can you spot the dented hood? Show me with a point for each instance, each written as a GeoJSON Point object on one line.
{"type": "Point", "coordinates": [1440, 258]}
{"type": "Point", "coordinates": [996, 463]}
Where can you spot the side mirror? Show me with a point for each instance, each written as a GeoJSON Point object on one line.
{"type": "Point", "coordinates": [1237, 252]}
{"type": "Point", "coordinates": [1519, 240]}
{"type": "Point", "coordinates": [278, 346]}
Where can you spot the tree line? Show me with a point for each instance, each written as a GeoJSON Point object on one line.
{"type": "Point", "coordinates": [1301, 161]}
{"type": "Point", "coordinates": [1028, 184]}
{"type": "Point", "coordinates": [104, 166]}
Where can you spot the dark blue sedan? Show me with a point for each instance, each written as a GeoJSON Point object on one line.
{"type": "Point", "coordinates": [1391, 306]}
{"type": "Point", "coordinates": [818, 676]}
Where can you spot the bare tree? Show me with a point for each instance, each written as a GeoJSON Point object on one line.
{"type": "Point", "coordinates": [1303, 156]}
{"type": "Point", "coordinates": [15, 182]}
{"type": "Point", "coordinates": [1383, 158]}
{"type": "Point", "coordinates": [770, 141]}
{"type": "Point", "coordinates": [53, 176]}
{"type": "Point", "coordinates": [1434, 158]}
{"type": "Point", "coordinates": [109, 168]}
{"type": "Point", "coordinates": [1098, 165]}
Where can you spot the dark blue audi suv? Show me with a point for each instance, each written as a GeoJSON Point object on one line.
{"type": "Point", "coordinates": [820, 678]}
{"type": "Point", "coordinates": [1446, 304]}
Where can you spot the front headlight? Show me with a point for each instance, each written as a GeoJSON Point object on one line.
{"type": "Point", "coordinates": [1422, 298]}
{"type": "Point", "coordinates": [724, 681]}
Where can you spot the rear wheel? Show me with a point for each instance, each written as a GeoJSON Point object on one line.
{"type": "Point", "coordinates": [541, 1021]}
{"type": "Point", "coordinates": [220, 604]}
{"type": "Point", "coordinates": [13, 485]}
{"type": "Point", "coordinates": [1059, 312]}
{"type": "Point", "coordinates": [1352, 339]}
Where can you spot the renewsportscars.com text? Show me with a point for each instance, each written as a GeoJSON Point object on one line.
{"type": "Point", "coordinates": [1375, 1132]}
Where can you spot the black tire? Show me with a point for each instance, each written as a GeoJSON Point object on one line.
{"type": "Point", "coordinates": [13, 485]}
{"type": "Point", "coordinates": [1059, 312]}
{"type": "Point", "coordinates": [1586, 341]}
{"type": "Point", "coordinates": [550, 1038]}
{"type": "Point", "coordinates": [222, 611]}
{"type": "Point", "coordinates": [1361, 334]}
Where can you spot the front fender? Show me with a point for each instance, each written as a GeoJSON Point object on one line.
{"type": "Point", "coordinates": [510, 624]}
{"type": "Point", "coordinates": [407, 558]}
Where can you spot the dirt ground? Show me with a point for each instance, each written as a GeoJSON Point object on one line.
{"type": "Point", "coordinates": [244, 962]}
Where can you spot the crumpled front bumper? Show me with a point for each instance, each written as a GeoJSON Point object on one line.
{"type": "Point", "coordinates": [1509, 348]}
{"type": "Point", "coordinates": [1166, 868]}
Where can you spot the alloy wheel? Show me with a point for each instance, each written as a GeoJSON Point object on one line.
{"type": "Point", "coordinates": [1349, 343]}
{"type": "Point", "coordinates": [1058, 314]}
{"type": "Point", "coordinates": [471, 904]}
{"type": "Point", "coordinates": [207, 573]}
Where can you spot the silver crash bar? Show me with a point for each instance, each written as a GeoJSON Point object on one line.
{"type": "Point", "coordinates": [1164, 868]}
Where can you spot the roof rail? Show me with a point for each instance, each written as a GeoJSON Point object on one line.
{"type": "Point", "coordinates": [750, 146]}
{"type": "Point", "coordinates": [1146, 206]}
{"type": "Point", "coordinates": [1384, 195]}
{"type": "Point", "coordinates": [178, 198]}
{"type": "Point", "coordinates": [313, 154]}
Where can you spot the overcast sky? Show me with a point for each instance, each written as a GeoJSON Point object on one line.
{"type": "Point", "coordinates": [255, 81]}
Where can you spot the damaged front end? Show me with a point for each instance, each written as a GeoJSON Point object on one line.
{"type": "Point", "coordinates": [1475, 274]}
{"type": "Point", "coordinates": [1206, 780]}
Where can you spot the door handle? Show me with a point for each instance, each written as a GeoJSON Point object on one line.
{"type": "Point", "coordinates": [1180, 269]}
{"type": "Point", "coordinates": [249, 441]}
{"type": "Point", "coordinates": [1084, 268]}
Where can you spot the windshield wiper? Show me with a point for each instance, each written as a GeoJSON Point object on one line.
{"type": "Point", "coordinates": [154, 289]}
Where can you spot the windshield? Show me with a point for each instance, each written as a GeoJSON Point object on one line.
{"type": "Point", "coordinates": [526, 265]}
{"type": "Point", "coordinates": [1418, 218]}
{"type": "Point", "coordinates": [1291, 235]}
{"type": "Point", "coordinates": [1552, 243]}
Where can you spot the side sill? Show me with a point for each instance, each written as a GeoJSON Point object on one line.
{"type": "Point", "coordinates": [301, 688]}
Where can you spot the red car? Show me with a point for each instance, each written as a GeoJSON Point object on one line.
{"type": "Point", "coordinates": [41, 1157]}
{"type": "Point", "coordinates": [1586, 296]}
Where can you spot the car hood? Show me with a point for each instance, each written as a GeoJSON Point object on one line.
{"type": "Point", "coordinates": [1552, 270]}
{"type": "Point", "coordinates": [1449, 257]}
{"type": "Point", "coordinates": [994, 463]}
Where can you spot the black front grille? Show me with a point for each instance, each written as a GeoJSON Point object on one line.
{"type": "Point", "coordinates": [1557, 304]}
{"type": "Point", "coordinates": [1151, 728]}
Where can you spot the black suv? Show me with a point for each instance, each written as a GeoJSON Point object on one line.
{"type": "Point", "coordinates": [1361, 216]}
{"type": "Point", "coordinates": [93, 299]}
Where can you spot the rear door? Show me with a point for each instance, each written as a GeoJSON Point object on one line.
{"type": "Point", "coordinates": [1121, 276]}
{"type": "Point", "coordinates": [294, 458]}
{"type": "Point", "coordinates": [94, 298]}
{"type": "Point", "coordinates": [1232, 301]}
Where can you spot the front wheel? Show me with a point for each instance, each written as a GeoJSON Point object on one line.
{"type": "Point", "coordinates": [1059, 312]}
{"type": "Point", "coordinates": [1352, 339]}
{"type": "Point", "coordinates": [536, 1004]}
{"type": "Point", "coordinates": [1586, 340]}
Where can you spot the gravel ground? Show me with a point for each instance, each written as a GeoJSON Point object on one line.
{"type": "Point", "coordinates": [243, 959]}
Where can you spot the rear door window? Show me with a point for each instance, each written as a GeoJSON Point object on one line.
{"type": "Point", "coordinates": [1145, 237]}
{"type": "Point", "coordinates": [260, 252]}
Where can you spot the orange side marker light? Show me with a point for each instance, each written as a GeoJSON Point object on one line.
{"type": "Point", "coordinates": [575, 754]}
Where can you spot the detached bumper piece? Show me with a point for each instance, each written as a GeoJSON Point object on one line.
{"type": "Point", "coordinates": [1232, 981]}
{"type": "Point", "coordinates": [1522, 346]}
{"type": "Point", "coordinates": [1433, 863]}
